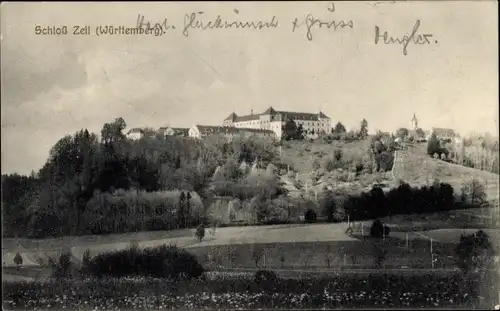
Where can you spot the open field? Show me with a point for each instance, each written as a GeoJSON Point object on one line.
{"type": "Point", "coordinates": [304, 246]}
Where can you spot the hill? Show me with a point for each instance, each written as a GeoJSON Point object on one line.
{"type": "Point", "coordinates": [414, 166]}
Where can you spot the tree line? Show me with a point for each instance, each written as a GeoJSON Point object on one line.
{"type": "Point", "coordinates": [87, 179]}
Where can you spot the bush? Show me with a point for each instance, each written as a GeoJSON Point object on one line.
{"type": "Point", "coordinates": [86, 262]}
{"type": "Point", "coordinates": [62, 267]}
{"type": "Point", "coordinates": [163, 261]}
{"type": "Point", "coordinates": [474, 251]}
{"type": "Point", "coordinates": [267, 280]}
{"type": "Point", "coordinates": [18, 260]}
{"type": "Point", "coordinates": [310, 216]}
{"type": "Point", "coordinates": [377, 229]}
{"type": "Point", "coordinates": [433, 145]}
{"type": "Point", "coordinates": [200, 232]}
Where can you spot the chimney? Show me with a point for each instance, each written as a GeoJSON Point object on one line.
{"type": "Point", "coordinates": [251, 112]}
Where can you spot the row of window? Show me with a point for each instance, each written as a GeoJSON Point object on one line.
{"type": "Point", "coordinates": [314, 123]}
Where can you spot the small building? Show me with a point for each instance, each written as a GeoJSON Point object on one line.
{"type": "Point", "coordinates": [174, 131]}
{"type": "Point", "coordinates": [135, 133]}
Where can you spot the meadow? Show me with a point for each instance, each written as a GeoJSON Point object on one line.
{"type": "Point", "coordinates": [415, 167]}
{"type": "Point", "coordinates": [426, 290]}
{"type": "Point", "coordinates": [304, 246]}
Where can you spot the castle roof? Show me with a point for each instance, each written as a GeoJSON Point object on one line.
{"type": "Point", "coordinates": [136, 130]}
{"type": "Point", "coordinates": [269, 111]}
{"type": "Point", "coordinates": [281, 116]}
{"type": "Point", "coordinates": [322, 115]}
{"type": "Point", "coordinates": [210, 129]}
{"type": "Point", "coordinates": [231, 117]}
{"type": "Point", "coordinates": [249, 117]}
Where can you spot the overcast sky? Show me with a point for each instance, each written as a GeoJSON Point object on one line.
{"type": "Point", "coordinates": [56, 85]}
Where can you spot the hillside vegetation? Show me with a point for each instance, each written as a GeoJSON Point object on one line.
{"type": "Point", "coordinates": [413, 165]}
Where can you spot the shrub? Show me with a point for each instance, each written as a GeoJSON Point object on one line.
{"type": "Point", "coordinates": [310, 216]}
{"type": "Point", "coordinates": [257, 253]}
{"type": "Point", "coordinates": [337, 154]}
{"type": "Point", "coordinates": [473, 192]}
{"type": "Point", "coordinates": [377, 229]}
{"type": "Point", "coordinates": [433, 145]}
{"type": "Point", "coordinates": [200, 232]}
{"type": "Point", "coordinates": [163, 261]}
{"type": "Point", "coordinates": [18, 260]}
{"type": "Point", "coordinates": [267, 280]}
{"type": "Point", "coordinates": [63, 265]}
{"type": "Point", "coordinates": [474, 251]}
{"type": "Point", "coordinates": [86, 261]}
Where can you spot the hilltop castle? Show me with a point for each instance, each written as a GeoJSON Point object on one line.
{"type": "Point", "coordinates": [312, 123]}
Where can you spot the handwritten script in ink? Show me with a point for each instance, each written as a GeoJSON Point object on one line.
{"type": "Point", "coordinates": [329, 22]}
{"type": "Point", "coordinates": [310, 22]}
{"type": "Point", "coordinates": [414, 37]}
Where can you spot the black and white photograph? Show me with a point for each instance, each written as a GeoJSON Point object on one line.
{"type": "Point", "coordinates": [226, 155]}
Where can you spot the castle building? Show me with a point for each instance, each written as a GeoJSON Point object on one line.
{"type": "Point", "coordinates": [200, 131]}
{"type": "Point", "coordinates": [312, 123]}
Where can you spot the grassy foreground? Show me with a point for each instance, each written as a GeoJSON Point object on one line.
{"type": "Point", "coordinates": [328, 291]}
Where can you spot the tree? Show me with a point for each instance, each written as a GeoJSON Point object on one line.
{"type": "Point", "coordinates": [181, 216]}
{"type": "Point", "coordinates": [339, 128]}
{"type": "Point", "coordinates": [257, 253]}
{"type": "Point", "coordinates": [300, 132]}
{"type": "Point", "coordinates": [473, 192]}
{"type": "Point", "coordinates": [188, 208]}
{"type": "Point", "coordinates": [474, 251]}
{"type": "Point", "coordinates": [420, 133]}
{"type": "Point", "coordinates": [327, 203]}
{"type": "Point", "coordinates": [402, 133]}
{"type": "Point", "coordinates": [310, 216]}
{"type": "Point", "coordinates": [18, 260]}
{"type": "Point", "coordinates": [113, 132]}
{"type": "Point", "coordinates": [363, 131]}
{"type": "Point", "coordinates": [200, 232]}
{"type": "Point", "coordinates": [433, 145]}
{"type": "Point", "coordinates": [377, 229]}
{"type": "Point", "coordinates": [290, 130]}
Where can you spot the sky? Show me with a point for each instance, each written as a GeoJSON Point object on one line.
{"type": "Point", "coordinates": [57, 85]}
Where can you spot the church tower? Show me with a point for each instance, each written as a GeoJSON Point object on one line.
{"type": "Point", "coordinates": [414, 122]}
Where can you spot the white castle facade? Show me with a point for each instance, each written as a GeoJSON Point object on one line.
{"type": "Point", "coordinates": [313, 124]}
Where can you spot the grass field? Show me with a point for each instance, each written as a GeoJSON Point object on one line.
{"type": "Point", "coordinates": [304, 246]}
{"type": "Point", "coordinates": [414, 166]}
